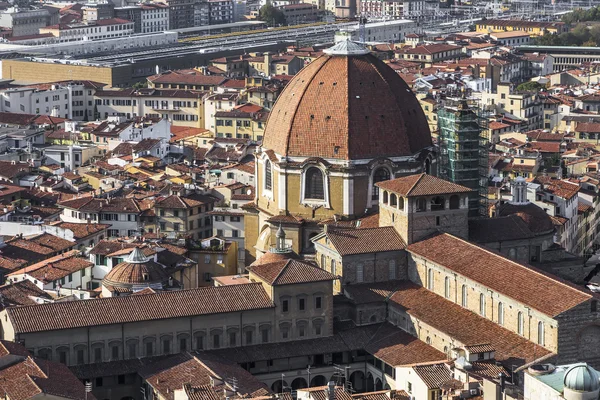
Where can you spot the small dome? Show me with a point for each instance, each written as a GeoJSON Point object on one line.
{"type": "Point", "coordinates": [582, 378]}
{"type": "Point", "coordinates": [137, 271]}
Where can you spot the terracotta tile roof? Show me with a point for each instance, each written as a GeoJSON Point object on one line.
{"type": "Point", "coordinates": [421, 185]}
{"type": "Point", "coordinates": [31, 378]}
{"type": "Point", "coordinates": [188, 76]}
{"type": "Point", "coordinates": [363, 293]}
{"type": "Point", "coordinates": [367, 240]}
{"type": "Point", "coordinates": [558, 187]}
{"type": "Point", "coordinates": [397, 347]}
{"type": "Point", "coordinates": [428, 49]}
{"type": "Point", "coordinates": [536, 219]}
{"type": "Point", "coordinates": [330, 97]}
{"type": "Point", "coordinates": [56, 267]}
{"type": "Point", "coordinates": [12, 348]}
{"type": "Point", "coordinates": [497, 125]}
{"type": "Point", "coordinates": [487, 370]}
{"type": "Point", "coordinates": [489, 230]}
{"type": "Point", "coordinates": [289, 272]}
{"type": "Point", "coordinates": [91, 204]}
{"type": "Point", "coordinates": [81, 231]}
{"type": "Point", "coordinates": [435, 375]}
{"type": "Point", "coordinates": [10, 171]}
{"type": "Point", "coordinates": [22, 293]}
{"type": "Point", "coordinates": [520, 282]}
{"type": "Point", "coordinates": [464, 326]}
{"type": "Point", "coordinates": [53, 242]}
{"type": "Point", "coordinates": [183, 202]}
{"type": "Point", "coordinates": [588, 127]}
{"type": "Point", "coordinates": [480, 348]}
{"type": "Point", "coordinates": [115, 310]}
{"type": "Point", "coordinates": [106, 247]}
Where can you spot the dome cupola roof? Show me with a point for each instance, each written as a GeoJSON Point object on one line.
{"type": "Point", "coordinates": [137, 270]}
{"type": "Point", "coordinates": [582, 378]}
{"type": "Point", "coordinates": [347, 105]}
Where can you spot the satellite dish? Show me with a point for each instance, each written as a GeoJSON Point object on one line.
{"type": "Point", "coordinates": [249, 191]}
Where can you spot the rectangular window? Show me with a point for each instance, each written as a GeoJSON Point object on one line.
{"type": "Point", "coordinates": [216, 341]}
{"type": "Point", "coordinates": [199, 342]}
{"type": "Point", "coordinates": [318, 302]}
{"type": "Point", "coordinates": [360, 274]}
{"type": "Point", "coordinates": [62, 357]}
{"type": "Point", "coordinates": [301, 304]}
{"type": "Point", "coordinates": [97, 355]}
{"type": "Point", "coordinates": [265, 335]}
{"type": "Point", "coordinates": [99, 382]}
{"type": "Point", "coordinates": [80, 354]}
{"type": "Point", "coordinates": [232, 339]}
{"type": "Point", "coordinates": [166, 346]}
{"type": "Point", "coordinates": [182, 344]}
{"type": "Point", "coordinates": [285, 306]}
{"type": "Point", "coordinates": [207, 259]}
{"type": "Point", "coordinates": [115, 352]}
{"type": "Point", "coordinates": [235, 233]}
{"type": "Point", "coordinates": [132, 350]}
{"type": "Point", "coordinates": [149, 349]}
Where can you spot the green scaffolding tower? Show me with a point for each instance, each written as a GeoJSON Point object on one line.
{"type": "Point", "coordinates": [464, 150]}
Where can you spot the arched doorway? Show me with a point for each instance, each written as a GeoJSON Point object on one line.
{"type": "Point", "coordinates": [357, 378]}
{"type": "Point", "coordinates": [299, 383]}
{"type": "Point", "coordinates": [378, 384]}
{"type": "Point", "coordinates": [276, 386]}
{"type": "Point", "coordinates": [370, 383]}
{"type": "Point", "coordinates": [318, 380]}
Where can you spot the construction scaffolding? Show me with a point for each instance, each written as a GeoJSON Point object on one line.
{"type": "Point", "coordinates": [464, 149]}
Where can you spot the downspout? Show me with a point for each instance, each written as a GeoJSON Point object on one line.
{"type": "Point", "coordinates": [123, 340]}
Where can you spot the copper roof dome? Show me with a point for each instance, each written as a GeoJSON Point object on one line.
{"type": "Point", "coordinates": [347, 104]}
{"type": "Point", "coordinates": [137, 271]}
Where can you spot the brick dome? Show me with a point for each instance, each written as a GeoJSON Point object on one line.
{"type": "Point", "coordinates": [347, 105]}
{"type": "Point", "coordinates": [137, 271]}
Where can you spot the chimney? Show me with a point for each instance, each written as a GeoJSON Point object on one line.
{"type": "Point", "coordinates": [331, 390]}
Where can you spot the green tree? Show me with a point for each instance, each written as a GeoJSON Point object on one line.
{"type": "Point", "coordinates": [140, 85]}
{"type": "Point", "coordinates": [271, 15]}
{"type": "Point", "coordinates": [530, 86]}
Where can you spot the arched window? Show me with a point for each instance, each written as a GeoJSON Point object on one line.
{"type": "Point", "coordinates": [501, 313]}
{"type": "Point", "coordinates": [421, 205]}
{"type": "Point", "coordinates": [428, 340]}
{"type": "Point", "coordinates": [333, 267]}
{"type": "Point", "coordinates": [393, 200]}
{"type": "Point", "coordinates": [512, 253]}
{"type": "Point", "coordinates": [465, 296]}
{"type": "Point", "coordinates": [430, 279]}
{"type": "Point", "coordinates": [313, 185]}
{"type": "Point", "coordinates": [520, 323]}
{"type": "Point", "coordinates": [482, 304]}
{"type": "Point", "coordinates": [382, 174]}
{"type": "Point", "coordinates": [447, 287]}
{"type": "Point", "coordinates": [385, 197]}
{"type": "Point", "coordinates": [268, 176]}
{"type": "Point", "coordinates": [323, 261]}
{"type": "Point", "coordinates": [427, 166]}
{"type": "Point", "coordinates": [400, 203]}
{"type": "Point", "coordinates": [541, 335]}
{"type": "Point", "coordinates": [437, 203]}
{"type": "Point", "coordinates": [454, 202]}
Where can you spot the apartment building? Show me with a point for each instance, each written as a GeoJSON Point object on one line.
{"type": "Point", "coordinates": [73, 99]}
{"type": "Point", "coordinates": [94, 30]}
{"type": "Point", "coordinates": [180, 107]}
